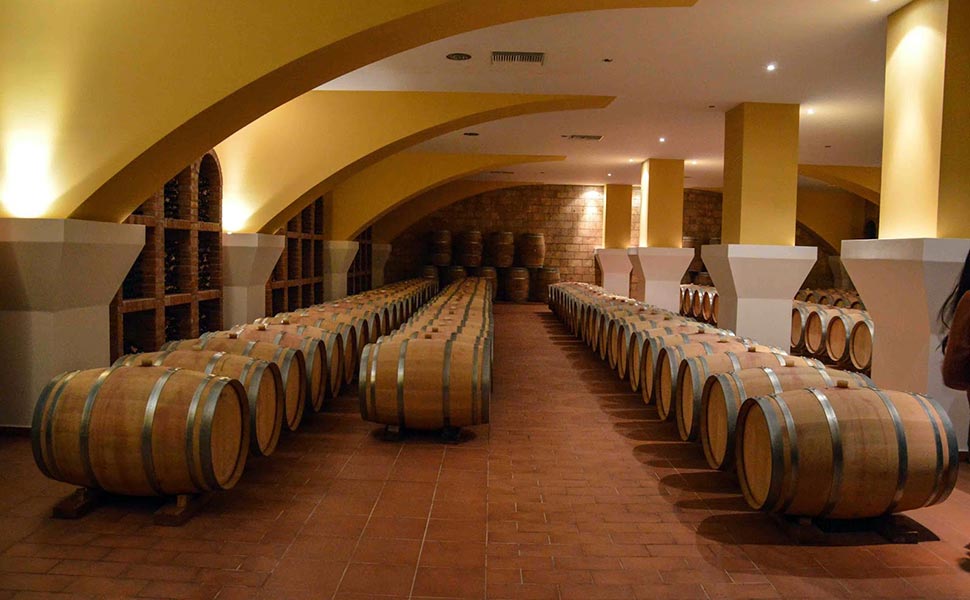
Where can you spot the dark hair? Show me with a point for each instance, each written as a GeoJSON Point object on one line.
{"type": "Point", "coordinates": [950, 305]}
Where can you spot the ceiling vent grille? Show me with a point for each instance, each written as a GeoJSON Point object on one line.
{"type": "Point", "coordinates": [578, 137]}
{"type": "Point", "coordinates": [502, 172]}
{"type": "Point", "coordinates": [534, 58]}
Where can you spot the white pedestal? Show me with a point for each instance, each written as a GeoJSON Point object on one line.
{"type": "Point", "coordinates": [247, 263]}
{"type": "Point", "coordinates": [660, 270]}
{"type": "Point", "coordinates": [379, 255]}
{"type": "Point", "coordinates": [58, 278]}
{"type": "Point", "coordinates": [755, 285]}
{"type": "Point", "coordinates": [615, 267]}
{"type": "Point", "coordinates": [904, 283]}
{"type": "Point", "coordinates": [338, 256]}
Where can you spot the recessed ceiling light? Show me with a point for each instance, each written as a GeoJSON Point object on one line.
{"type": "Point", "coordinates": [458, 56]}
{"type": "Point", "coordinates": [609, 174]}
{"type": "Point", "coordinates": [810, 111]}
{"type": "Point", "coordinates": [771, 66]}
{"type": "Point", "coordinates": [471, 133]}
{"type": "Point", "coordinates": [693, 162]}
{"type": "Point", "coordinates": [632, 160]}
{"type": "Point", "coordinates": [662, 140]}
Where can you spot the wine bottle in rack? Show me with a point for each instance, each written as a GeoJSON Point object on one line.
{"type": "Point", "coordinates": [205, 268]}
{"type": "Point", "coordinates": [171, 267]}
{"type": "Point", "coordinates": [205, 198]}
{"type": "Point", "coordinates": [171, 200]}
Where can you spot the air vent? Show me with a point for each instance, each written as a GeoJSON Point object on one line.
{"type": "Point", "coordinates": [502, 172]}
{"type": "Point", "coordinates": [535, 58]}
{"type": "Point", "coordinates": [583, 137]}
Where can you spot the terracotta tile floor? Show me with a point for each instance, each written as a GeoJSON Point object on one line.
{"type": "Point", "coordinates": [575, 492]}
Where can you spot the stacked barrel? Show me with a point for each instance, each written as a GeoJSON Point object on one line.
{"type": "Point", "coordinates": [183, 420]}
{"type": "Point", "coordinates": [804, 438]}
{"type": "Point", "coordinates": [434, 372]}
{"type": "Point", "coordinates": [514, 264]}
{"type": "Point", "coordinates": [699, 302]}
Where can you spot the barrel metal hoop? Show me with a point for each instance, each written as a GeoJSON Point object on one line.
{"type": "Point", "coordinates": [362, 380]}
{"type": "Point", "coordinates": [211, 365]}
{"type": "Point", "coordinates": [253, 392]}
{"type": "Point", "coordinates": [735, 363]}
{"type": "Point", "coordinates": [279, 337]}
{"type": "Point", "coordinates": [190, 420]}
{"type": "Point", "coordinates": [952, 448]}
{"type": "Point", "coordinates": [707, 347]}
{"type": "Point", "coordinates": [205, 432]}
{"type": "Point", "coordinates": [44, 414]}
{"type": "Point", "coordinates": [732, 406]}
{"type": "Point", "coordinates": [793, 452]}
{"type": "Point", "coordinates": [903, 455]}
{"type": "Point", "coordinates": [938, 444]}
{"type": "Point", "coordinates": [775, 446]}
{"type": "Point", "coordinates": [401, 359]}
{"type": "Point", "coordinates": [773, 379]}
{"type": "Point", "coordinates": [85, 427]}
{"type": "Point", "coordinates": [446, 386]}
{"type": "Point", "coordinates": [827, 378]}
{"type": "Point", "coordinates": [373, 381]}
{"type": "Point", "coordinates": [249, 347]}
{"type": "Point", "coordinates": [147, 452]}
{"type": "Point", "coordinates": [838, 458]}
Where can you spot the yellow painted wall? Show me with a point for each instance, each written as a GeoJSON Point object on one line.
{"type": "Point", "coordinates": [364, 198]}
{"type": "Point", "coordinates": [662, 184]}
{"type": "Point", "coordinates": [760, 174]}
{"type": "Point", "coordinates": [617, 212]}
{"type": "Point", "coordinates": [410, 212]}
{"type": "Point", "coordinates": [836, 215]}
{"type": "Point", "coordinates": [913, 120]}
{"type": "Point", "coordinates": [278, 164]}
{"type": "Point", "coordinates": [107, 99]}
{"type": "Point", "coordinates": [954, 209]}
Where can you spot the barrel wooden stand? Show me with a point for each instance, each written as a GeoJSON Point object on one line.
{"type": "Point", "coordinates": [176, 513]}
{"type": "Point", "coordinates": [396, 433]}
{"type": "Point", "coordinates": [895, 529]}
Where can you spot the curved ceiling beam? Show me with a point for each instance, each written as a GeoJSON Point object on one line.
{"type": "Point", "coordinates": [861, 181]}
{"type": "Point", "coordinates": [107, 99]}
{"type": "Point", "coordinates": [395, 222]}
{"type": "Point", "coordinates": [278, 164]}
{"type": "Point", "coordinates": [358, 202]}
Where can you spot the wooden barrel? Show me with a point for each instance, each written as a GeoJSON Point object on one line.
{"type": "Point", "coordinates": [838, 339]}
{"type": "Point", "coordinates": [146, 431]}
{"type": "Point", "coordinates": [314, 352]}
{"type": "Point", "coordinates": [872, 452]}
{"type": "Point", "coordinates": [860, 345]}
{"type": "Point", "coordinates": [426, 384]}
{"type": "Point", "coordinates": [455, 273]}
{"type": "Point", "coordinates": [334, 346]}
{"type": "Point", "coordinates": [724, 394]}
{"type": "Point", "coordinates": [816, 329]}
{"type": "Point", "coordinates": [517, 285]}
{"type": "Point", "coordinates": [697, 306]}
{"type": "Point", "coordinates": [694, 372]}
{"type": "Point", "coordinates": [670, 357]}
{"type": "Point", "coordinates": [470, 249]}
{"type": "Point", "coordinates": [429, 272]}
{"type": "Point", "coordinates": [532, 250]}
{"type": "Point", "coordinates": [291, 362]}
{"type": "Point", "coordinates": [440, 248]}
{"type": "Point", "coordinates": [490, 275]}
{"type": "Point", "coordinates": [651, 352]}
{"type": "Point", "coordinates": [799, 317]}
{"type": "Point", "coordinates": [260, 379]}
{"type": "Point", "coordinates": [802, 294]}
{"type": "Point", "coordinates": [707, 304]}
{"type": "Point", "coordinates": [639, 338]}
{"type": "Point", "coordinates": [542, 278]}
{"type": "Point", "coordinates": [501, 249]}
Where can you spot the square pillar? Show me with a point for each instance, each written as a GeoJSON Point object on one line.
{"type": "Point", "coordinates": [617, 216]}
{"type": "Point", "coordinates": [248, 261]}
{"type": "Point", "coordinates": [662, 202]}
{"type": "Point", "coordinates": [904, 283]}
{"type": "Point", "coordinates": [338, 257]}
{"type": "Point", "coordinates": [380, 252]}
{"type": "Point", "coordinates": [59, 277]}
{"type": "Point", "coordinates": [755, 285]}
{"type": "Point", "coordinates": [660, 270]}
{"type": "Point", "coordinates": [615, 267]}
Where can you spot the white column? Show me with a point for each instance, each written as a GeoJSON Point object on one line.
{"type": "Point", "coordinates": [248, 260]}
{"type": "Point", "coordinates": [58, 278]}
{"type": "Point", "coordinates": [661, 270]}
{"type": "Point", "coordinates": [379, 255]}
{"type": "Point", "coordinates": [904, 283]}
{"type": "Point", "coordinates": [615, 267]}
{"type": "Point", "coordinates": [338, 256]}
{"type": "Point", "coordinates": [755, 285]}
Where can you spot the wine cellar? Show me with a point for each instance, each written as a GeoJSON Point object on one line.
{"type": "Point", "coordinates": [297, 279]}
{"type": "Point", "coordinates": [174, 289]}
{"type": "Point", "coordinates": [359, 277]}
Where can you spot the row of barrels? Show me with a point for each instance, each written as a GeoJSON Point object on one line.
{"type": "Point", "coordinates": [500, 249]}
{"type": "Point", "coordinates": [803, 438]}
{"type": "Point", "coordinates": [841, 336]}
{"type": "Point", "coordinates": [515, 284]}
{"type": "Point", "coordinates": [831, 297]}
{"type": "Point", "coordinates": [434, 372]}
{"type": "Point", "coordinates": [699, 302]}
{"type": "Point", "coordinates": [184, 420]}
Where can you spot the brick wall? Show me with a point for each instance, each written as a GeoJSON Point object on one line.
{"type": "Point", "coordinates": [702, 215]}
{"type": "Point", "coordinates": [569, 216]}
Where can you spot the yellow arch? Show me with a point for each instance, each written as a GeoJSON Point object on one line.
{"type": "Point", "coordinates": [279, 163]}
{"type": "Point", "coordinates": [395, 222]}
{"type": "Point", "coordinates": [361, 200]}
{"type": "Point", "coordinates": [106, 99]}
{"type": "Point", "coordinates": [861, 181]}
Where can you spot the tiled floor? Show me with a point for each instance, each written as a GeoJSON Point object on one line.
{"type": "Point", "coordinates": [576, 491]}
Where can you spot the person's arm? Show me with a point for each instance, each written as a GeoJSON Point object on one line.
{"type": "Point", "coordinates": [956, 359]}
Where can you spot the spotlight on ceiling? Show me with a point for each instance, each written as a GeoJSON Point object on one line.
{"type": "Point", "coordinates": [458, 56]}
{"type": "Point", "coordinates": [771, 67]}
{"type": "Point", "coordinates": [609, 174]}
{"type": "Point", "coordinates": [662, 140]}
{"type": "Point", "coordinates": [810, 111]}
{"type": "Point", "coordinates": [693, 162]}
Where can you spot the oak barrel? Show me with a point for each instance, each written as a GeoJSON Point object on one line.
{"type": "Point", "coordinates": [500, 249]}
{"type": "Point", "coordinates": [845, 330]}
{"type": "Point", "coordinates": [469, 249]}
{"type": "Point", "coordinates": [542, 278]}
{"type": "Point", "coordinates": [532, 250]}
{"type": "Point", "coordinates": [440, 248]}
{"type": "Point", "coordinates": [490, 275]}
{"type": "Point", "coordinates": [517, 285]}
{"type": "Point", "coordinates": [146, 431]}
{"type": "Point", "coordinates": [872, 452]}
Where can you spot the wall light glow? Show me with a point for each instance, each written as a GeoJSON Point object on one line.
{"type": "Point", "coordinates": [235, 215]}
{"type": "Point", "coordinates": [27, 190]}
{"type": "Point", "coordinates": [592, 195]}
